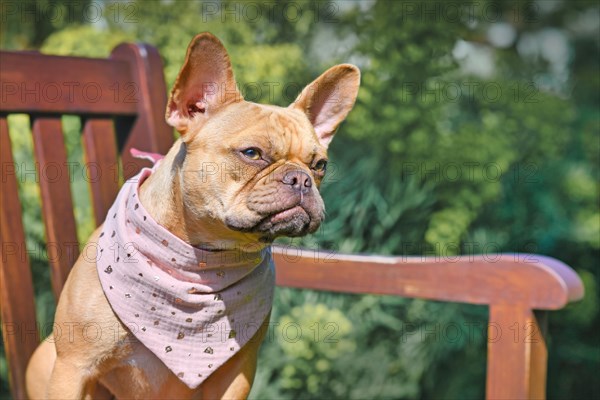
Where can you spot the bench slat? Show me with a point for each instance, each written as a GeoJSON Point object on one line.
{"type": "Point", "coordinates": [19, 330]}
{"type": "Point", "coordinates": [102, 163]}
{"type": "Point", "coordinates": [57, 205]}
{"type": "Point", "coordinates": [150, 133]}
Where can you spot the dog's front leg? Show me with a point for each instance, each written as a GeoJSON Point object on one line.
{"type": "Point", "coordinates": [69, 381]}
{"type": "Point", "coordinates": [81, 358]}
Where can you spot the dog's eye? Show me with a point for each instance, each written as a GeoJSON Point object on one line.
{"type": "Point", "coordinates": [252, 153]}
{"type": "Point", "coordinates": [320, 166]}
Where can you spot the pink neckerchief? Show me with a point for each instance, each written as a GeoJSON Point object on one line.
{"type": "Point", "coordinates": [194, 309]}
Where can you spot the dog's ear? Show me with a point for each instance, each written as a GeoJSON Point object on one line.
{"type": "Point", "coordinates": [204, 84]}
{"type": "Point", "coordinates": [329, 98]}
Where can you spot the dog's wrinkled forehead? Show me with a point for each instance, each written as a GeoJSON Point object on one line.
{"type": "Point", "coordinates": [290, 133]}
{"type": "Point", "coordinates": [280, 132]}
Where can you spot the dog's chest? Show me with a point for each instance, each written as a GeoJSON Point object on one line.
{"type": "Point", "coordinates": [141, 375]}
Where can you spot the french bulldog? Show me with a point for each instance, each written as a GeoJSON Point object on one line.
{"type": "Point", "coordinates": [171, 297]}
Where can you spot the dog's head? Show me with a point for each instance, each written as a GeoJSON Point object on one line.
{"type": "Point", "coordinates": [254, 168]}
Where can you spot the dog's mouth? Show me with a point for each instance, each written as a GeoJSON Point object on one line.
{"type": "Point", "coordinates": [293, 221]}
{"type": "Point", "coordinates": [287, 215]}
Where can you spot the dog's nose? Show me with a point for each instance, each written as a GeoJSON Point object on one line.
{"type": "Point", "coordinates": [298, 180]}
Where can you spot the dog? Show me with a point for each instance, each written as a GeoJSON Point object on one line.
{"type": "Point", "coordinates": [172, 295]}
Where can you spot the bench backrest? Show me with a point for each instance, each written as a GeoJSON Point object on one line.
{"type": "Point", "coordinates": [122, 102]}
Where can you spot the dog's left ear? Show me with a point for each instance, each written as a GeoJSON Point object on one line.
{"type": "Point", "coordinates": [204, 85]}
{"type": "Point", "coordinates": [328, 99]}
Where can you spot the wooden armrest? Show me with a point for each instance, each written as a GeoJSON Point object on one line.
{"type": "Point", "coordinates": [527, 279]}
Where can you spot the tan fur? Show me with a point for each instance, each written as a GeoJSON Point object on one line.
{"type": "Point", "coordinates": [208, 194]}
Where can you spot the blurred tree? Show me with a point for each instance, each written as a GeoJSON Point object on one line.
{"type": "Point", "coordinates": [26, 24]}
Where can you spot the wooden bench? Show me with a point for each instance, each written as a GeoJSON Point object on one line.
{"type": "Point", "coordinates": [121, 101]}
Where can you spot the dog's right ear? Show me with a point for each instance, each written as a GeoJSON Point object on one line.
{"type": "Point", "coordinates": [204, 84]}
{"type": "Point", "coordinates": [328, 99]}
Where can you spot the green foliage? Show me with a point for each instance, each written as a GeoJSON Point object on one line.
{"type": "Point", "coordinates": [307, 360]}
{"type": "Point", "coordinates": [86, 41]}
{"type": "Point", "coordinates": [26, 24]}
{"type": "Point", "coordinates": [262, 62]}
{"type": "Point", "coordinates": [418, 168]}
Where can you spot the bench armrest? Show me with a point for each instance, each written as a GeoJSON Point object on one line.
{"type": "Point", "coordinates": [529, 279]}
